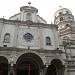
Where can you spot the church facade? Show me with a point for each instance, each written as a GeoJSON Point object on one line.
{"type": "Point", "coordinates": [30, 46]}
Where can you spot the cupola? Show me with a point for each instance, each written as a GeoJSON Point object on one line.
{"type": "Point", "coordinates": [28, 8]}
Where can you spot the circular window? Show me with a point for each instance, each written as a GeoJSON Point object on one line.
{"type": "Point", "coordinates": [28, 37]}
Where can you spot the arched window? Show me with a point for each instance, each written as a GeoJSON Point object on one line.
{"type": "Point", "coordinates": [67, 12]}
{"type": "Point", "coordinates": [65, 38]}
{"type": "Point", "coordinates": [67, 25]}
{"type": "Point", "coordinates": [61, 18]}
{"type": "Point", "coordinates": [60, 13]}
{"type": "Point", "coordinates": [7, 38]}
{"type": "Point", "coordinates": [28, 16]}
{"type": "Point", "coordinates": [48, 41]}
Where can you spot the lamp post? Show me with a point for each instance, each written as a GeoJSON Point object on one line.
{"type": "Point", "coordinates": [66, 43]}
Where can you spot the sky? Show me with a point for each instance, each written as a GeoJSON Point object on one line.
{"type": "Point", "coordinates": [46, 8]}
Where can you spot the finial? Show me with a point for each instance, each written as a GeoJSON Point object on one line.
{"type": "Point", "coordinates": [60, 6]}
{"type": "Point", "coordinates": [3, 16]}
{"type": "Point", "coordinates": [51, 22]}
{"type": "Point", "coordinates": [29, 3]}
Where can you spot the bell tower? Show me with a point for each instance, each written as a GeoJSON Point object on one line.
{"type": "Point", "coordinates": [66, 27]}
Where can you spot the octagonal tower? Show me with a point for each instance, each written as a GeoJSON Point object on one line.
{"type": "Point", "coordinates": [63, 17]}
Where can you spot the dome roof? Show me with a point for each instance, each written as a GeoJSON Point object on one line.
{"type": "Point", "coordinates": [62, 11]}
{"type": "Point", "coordinates": [28, 8]}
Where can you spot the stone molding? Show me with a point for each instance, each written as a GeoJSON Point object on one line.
{"type": "Point", "coordinates": [21, 49]}
{"type": "Point", "coordinates": [27, 23]}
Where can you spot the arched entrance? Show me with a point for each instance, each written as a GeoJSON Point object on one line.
{"type": "Point", "coordinates": [55, 68]}
{"type": "Point", "coordinates": [3, 66]}
{"type": "Point", "coordinates": [51, 70]}
{"type": "Point", "coordinates": [28, 64]}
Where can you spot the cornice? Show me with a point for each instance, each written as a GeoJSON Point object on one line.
{"type": "Point", "coordinates": [65, 22]}
{"type": "Point", "coordinates": [62, 34]}
{"type": "Point", "coordinates": [14, 15]}
{"type": "Point", "coordinates": [70, 47]}
{"type": "Point", "coordinates": [49, 51]}
{"type": "Point", "coordinates": [66, 33]}
{"type": "Point", "coordinates": [62, 16]}
{"type": "Point", "coordinates": [71, 70]}
{"type": "Point", "coordinates": [27, 23]}
{"type": "Point", "coordinates": [22, 49]}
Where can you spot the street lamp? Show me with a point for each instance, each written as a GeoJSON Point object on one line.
{"type": "Point", "coordinates": [66, 43]}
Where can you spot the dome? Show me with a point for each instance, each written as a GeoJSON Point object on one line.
{"type": "Point", "coordinates": [62, 11]}
{"type": "Point", "coordinates": [27, 8]}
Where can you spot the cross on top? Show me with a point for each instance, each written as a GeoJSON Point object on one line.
{"type": "Point", "coordinates": [29, 3]}
{"type": "Point", "coordinates": [60, 6]}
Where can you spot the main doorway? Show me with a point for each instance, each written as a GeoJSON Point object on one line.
{"type": "Point", "coordinates": [27, 68]}
{"type": "Point", "coordinates": [28, 64]}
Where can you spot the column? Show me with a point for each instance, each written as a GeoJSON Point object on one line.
{"type": "Point", "coordinates": [11, 71]}
{"type": "Point", "coordinates": [40, 72]}
{"type": "Point", "coordinates": [65, 72]}
{"type": "Point", "coordinates": [1, 31]}
{"type": "Point", "coordinates": [41, 37]}
{"type": "Point", "coordinates": [45, 71]}
{"type": "Point", "coordinates": [15, 35]}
